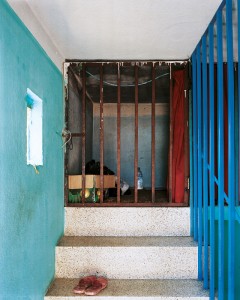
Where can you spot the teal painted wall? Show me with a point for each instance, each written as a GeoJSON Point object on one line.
{"type": "Point", "coordinates": [31, 205]}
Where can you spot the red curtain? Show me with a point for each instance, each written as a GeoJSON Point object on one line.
{"type": "Point", "coordinates": [178, 156]}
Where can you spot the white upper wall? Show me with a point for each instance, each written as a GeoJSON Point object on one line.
{"type": "Point", "coordinates": [116, 29]}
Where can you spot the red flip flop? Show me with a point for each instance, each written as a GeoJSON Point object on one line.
{"type": "Point", "coordinates": [84, 283]}
{"type": "Point", "coordinates": [96, 287]}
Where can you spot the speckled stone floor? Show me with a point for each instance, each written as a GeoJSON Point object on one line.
{"type": "Point", "coordinates": [146, 253]}
{"type": "Point", "coordinates": [61, 289]}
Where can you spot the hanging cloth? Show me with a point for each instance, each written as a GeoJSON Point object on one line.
{"type": "Point", "coordinates": [178, 156]}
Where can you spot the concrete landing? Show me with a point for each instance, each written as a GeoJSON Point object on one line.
{"type": "Point", "coordinates": [61, 289]}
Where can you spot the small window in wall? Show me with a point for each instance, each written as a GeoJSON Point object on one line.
{"type": "Point", "coordinates": [34, 129]}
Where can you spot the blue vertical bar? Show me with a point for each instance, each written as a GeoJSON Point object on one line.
{"type": "Point", "coordinates": [231, 153]}
{"type": "Point", "coordinates": [236, 117]}
{"type": "Point", "coordinates": [191, 167]}
{"type": "Point", "coordinates": [220, 157]}
{"type": "Point", "coordinates": [195, 211]}
{"type": "Point", "coordinates": [199, 178]}
{"type": "Point", "coordinates": [212, 161]}
{"type": "Point", "coordinates": [238, 21]}
{"type": "Point", "coordinates": [205, 159]}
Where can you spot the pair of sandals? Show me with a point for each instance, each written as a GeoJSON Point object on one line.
{"type": "Point", "coordinates": [90, 285]}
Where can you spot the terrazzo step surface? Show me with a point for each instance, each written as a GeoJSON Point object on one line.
{"type": "Point", "coordinates": [61, 289]}
{"type": "Point", "coordinates": [127, 257]}
{"type": "Point", "coordinates": [125, 221]}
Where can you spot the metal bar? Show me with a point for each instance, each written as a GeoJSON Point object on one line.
{"type": "Point", "coordinates": [101, 135]}
{"type": "Point", "coordinates": [83, 130]}
{"type": "Point", "coordinates": [220, 157]}
{"type": "Point", "coordinates": [195, 165]}
{"type": "Point", "coordinates": [236, 118]}
{"type": "Point", "coordinates": [238, 99]}
{"type": "Point", "coordinates": [212, 161]}
{"type": "Point", "coordinates": [231, 153]}
{"type": "Point", "coordinates": [66, 101]}
{"type": "Point", "coordinates": [136, 138]}
{"type": "Point", "coordinates": [199, 153]}
{"type": "Point", "coordinates": [118, 134]}
{"type": "Point", "coordinates": [205, 159]}
{"type": "Point", "coordinates": [170, 161]}
{"type": "Point", "coordinates": [129, 62]}
{"type": "Point", "coordinates": [153, 130]}
{"type": "Point", "coordinates": [221, 6]}
{"type": "Point", "coordinates": [132, 204]}
{"type": "Point", "coordinates": [75, 135]}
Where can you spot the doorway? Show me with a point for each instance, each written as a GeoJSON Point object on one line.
{"type": "Point", "coordinates": [119, 131]}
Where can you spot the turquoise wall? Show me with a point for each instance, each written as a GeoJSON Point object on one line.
{"type": "Point", "coordinates": [31, 205]}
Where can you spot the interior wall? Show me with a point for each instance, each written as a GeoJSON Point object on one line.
{"type": "Point", "coordinates": [127, 141]}
{"type": "Point", "coordinates": [74, 153]}
{"type": "Point", "coordinates": [31, 205]}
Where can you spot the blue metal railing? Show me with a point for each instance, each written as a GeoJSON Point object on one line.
{"type": "Point", "coordinates": [214, 144]}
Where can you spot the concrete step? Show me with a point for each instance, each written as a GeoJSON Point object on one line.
{"type": "Point", "coordinates": [127, 257]}
{"type": "Point", "coordinates": [61, 289]}
{"type": "Point", "coordinates": [125, 221]}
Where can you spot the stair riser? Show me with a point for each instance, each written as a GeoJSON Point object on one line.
{"type": "Point", "coordinates": [125, 221]}
{"type": "Point", "coordinates": [125, 298]}
{"type": "Point", "coordinates": [127, 262]}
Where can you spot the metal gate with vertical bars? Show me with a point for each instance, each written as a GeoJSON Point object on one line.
{"type": "Point", "coordinates": [81, 75]}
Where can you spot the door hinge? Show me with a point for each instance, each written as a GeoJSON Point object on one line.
{"type": "Point", "coordinates": [185, 94]}
{"type": "Point", "coordinates": [187, 188]}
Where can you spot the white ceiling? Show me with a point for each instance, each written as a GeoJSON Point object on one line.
{"type": "Point", "coordinates": [116, 29]}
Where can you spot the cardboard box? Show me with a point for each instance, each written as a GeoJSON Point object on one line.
{"type": "Point", "coordinates": [75, 181]}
